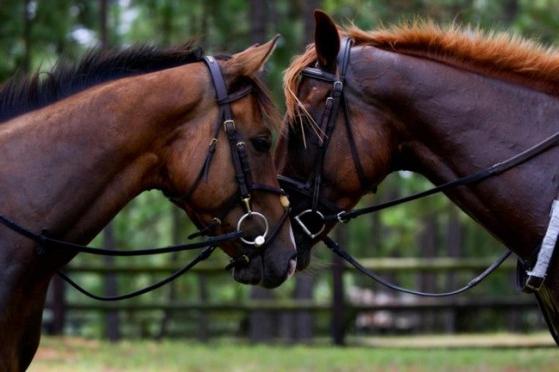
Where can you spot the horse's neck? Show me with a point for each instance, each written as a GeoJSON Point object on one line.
{"type": "Point", "coordinates": [454, 123]}
{"type": "Point", "coordinates": [71, 166]}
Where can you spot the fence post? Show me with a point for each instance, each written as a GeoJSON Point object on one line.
{"type": "Point", "coordinates": [303, 320]}
{"type": "Point", "coordinates": [338, 301]}
{"type": "Point", "coordinates": [262, 324]}
{"type": "Point", "coordinates": [203, 332]}
{"type": "Point", "coordinates": [112, 324]}
{"type": "Point", "coordinates": [58, 306]}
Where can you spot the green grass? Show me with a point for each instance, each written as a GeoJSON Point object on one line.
{"type": "Point", "coordinates": [71, 354]}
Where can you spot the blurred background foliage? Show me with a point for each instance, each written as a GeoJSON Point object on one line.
{"type": "Point", "coordinates": [36, 34]}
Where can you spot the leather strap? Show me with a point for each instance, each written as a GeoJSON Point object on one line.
{"type": "Point", "coordinates": [483, 174]}
{"type": "Point", "coordinates": [341, 252]}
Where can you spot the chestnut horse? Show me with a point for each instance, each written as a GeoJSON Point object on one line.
{"type": "Point", "coordinates": [445, 103]}
{"type": "Point", "coordinates": [83, 141]}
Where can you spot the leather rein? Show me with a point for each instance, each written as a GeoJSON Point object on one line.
{"type": "Point", "coordinates": [242, 196]}
{"type": "Point", "coordinates": [323, 211]}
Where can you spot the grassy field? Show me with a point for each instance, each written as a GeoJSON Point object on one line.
{"type": "Point", "coordinates": [73, 354]}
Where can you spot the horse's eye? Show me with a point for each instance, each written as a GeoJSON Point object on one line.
{"type": "Point", "coordinates": [261, 144]}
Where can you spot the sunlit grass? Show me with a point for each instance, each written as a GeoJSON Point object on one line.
{"type": "Point", "coordinates": [71, 354]}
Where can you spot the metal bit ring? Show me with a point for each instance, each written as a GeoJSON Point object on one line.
{"type": "Point", "coordinates": [260, 239]}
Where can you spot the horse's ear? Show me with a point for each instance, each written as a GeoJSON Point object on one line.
{"type": "Point", "coordinates": [252, 60]}
{"type": "Point", "coordinates": [326, 41]}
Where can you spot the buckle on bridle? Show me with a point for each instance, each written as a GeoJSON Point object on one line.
{"type": "Point", "coordinates": [259, 240]}
{"type": "Point", "coordinates": [246, 204]}
{"type": "Point", "coordinates": [340, 217]}
{"type": "Point", "coordinates": [534, 283]}
{"type": "Point", "coordinates": [311, 234]}
{"type": "Point", "coordinates": [229, 124]}
{"type": "Point", "coordinates": [338, 85]}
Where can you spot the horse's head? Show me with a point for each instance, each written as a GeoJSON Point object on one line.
{"type": "Point", "coordinates": [336, 146]}
{"type": "Point", "coordinates": [219, 166]}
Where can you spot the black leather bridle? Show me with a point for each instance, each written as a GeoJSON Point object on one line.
{"type": "Point", "coordinates": [312, 186]}
{"type": "Point", "coordinates": [239, 158]}
{"type": "Point", "coordinates": [243, 175]}
{"type": "Point", "coordinates": [323, 211]}
{"type": "Point", "coordinates": [242, 196]}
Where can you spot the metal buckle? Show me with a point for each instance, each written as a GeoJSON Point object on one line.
{"type": "Point", "coordinates": [213, 141]}
{"type": "Point", "coordinates": [227, 123]}
{"type": "Point", "coordinates": [534, 283]}
{"type": "Point", "coordinates": [338, 85]}
{"type": "Point", "coordinates": [246, 204]}
{"type": "Point", "coordinates": [299, 220]}
{"type": "Point", "coordinates": [340, 217]}
{"type": "Point", "coordinates": [260, 239]}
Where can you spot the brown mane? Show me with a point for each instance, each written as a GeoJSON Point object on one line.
{"type": "Point", "coordinates": [494, 53]}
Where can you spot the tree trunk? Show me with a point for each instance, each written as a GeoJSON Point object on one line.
{"type": "Point", "coordinates": [428, 241]}
{"type": "Point", "coordinates": [112, 324]}
{"type": "Point", "coordinates": [166, 318]}
{"type": "Point", "coordinates": [258, 20]}
{"type": "Point", "coordinates": [204, 23]}
{"type": "Point", "coordinates": [57, 292]}
{"type": "Point", "coordinates": [103, 26]}
{"type": "Point", "coordinates": [26, 62]}
{"type": "Point", "coordinates": [308, 19]}
{"type": "Point", "coordinates": [454, 249]}
{"type": "Point", "coordinates": [262, 323]}
{"type": "Point", "coordinates": [304, 288]}
{"type": "Point", "coordinates": [203, 332]}
{"type": "Point", "coordinates": [168, 12]}
{"type": "Point", "coordinates": [510, 11]}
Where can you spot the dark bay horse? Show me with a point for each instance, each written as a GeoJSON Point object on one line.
{"type": "Point", "coordinates": [82, 141]}
{"type": "Point", "coordinates": [444, 103]}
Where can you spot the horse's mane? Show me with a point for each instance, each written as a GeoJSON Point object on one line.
{"type": "Point", "coordinates": [495, 53]}
{"type": "Point", "coordinates": [22, 94]}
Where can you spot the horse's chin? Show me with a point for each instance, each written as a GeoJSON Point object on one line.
{"type": "Point", "coordinates": [255, 273]}
{"type": "Point", "coordinates": [304, 246]}
{"type": "Point", "coordinates": [249, 274]}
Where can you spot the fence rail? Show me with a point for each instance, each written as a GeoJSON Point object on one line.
{"type": "Point", "coordinates": [435, 264]}
{"type": "Point", "coordinates": [291, 305]}
{"type": "Point", "coordinates": [341, 311]}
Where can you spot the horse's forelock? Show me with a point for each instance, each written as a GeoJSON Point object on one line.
{"type": "Point", "coordinates": [291, 81]}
